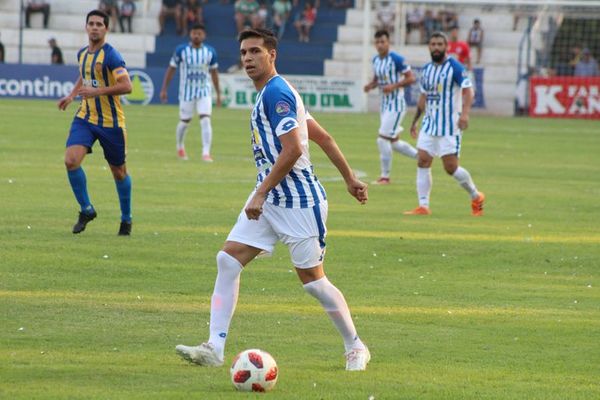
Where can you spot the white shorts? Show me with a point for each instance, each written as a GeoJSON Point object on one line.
{"type": "Point", "coordinates": [203, 106]}
{"type": "Point", "coordinates": [391, 123]}
{"type": "Point", "coordinates": [302, 230]}
{"type": "Point", "coordinates": [439, 146]}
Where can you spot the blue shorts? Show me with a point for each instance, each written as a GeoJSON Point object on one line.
{"type": "Point", "coordinates": [112, 140]}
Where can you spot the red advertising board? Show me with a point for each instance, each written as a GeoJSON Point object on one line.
{"type": "Point", "coordinates": [565, 97]}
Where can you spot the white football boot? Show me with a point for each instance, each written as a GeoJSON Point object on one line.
{"type": "Point", "coordinates": [204, 354]}
{"type": "Point", "coordinates": [357, 359]}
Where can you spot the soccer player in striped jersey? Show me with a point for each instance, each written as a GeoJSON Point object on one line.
{"type": "Point", "coordinates": [287, 205]}
{"type": "Point", "coordinates": [446, 98]}
{"type": "Point", "coordinates": [391, 75]}
{"type": "Point", "coordinates": [196, 61]}
{"type": "Point", "coordinates": [103, 78]}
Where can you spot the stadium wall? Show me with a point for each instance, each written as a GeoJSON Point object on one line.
{"type": "Point", "coordinates": [319, 93]}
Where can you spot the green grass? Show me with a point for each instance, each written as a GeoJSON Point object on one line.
{"type": "Point", "coordinates": [505, 306]}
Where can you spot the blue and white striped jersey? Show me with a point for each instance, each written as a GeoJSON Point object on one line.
{"type": "Point", "coordinates": [277, 111]}
{"type": "Point", "coordinates": [390, 69]}
{"type": "Point", "coordinates": [194, 73]}
{"type": "Point", "coordinates": [442, 84]}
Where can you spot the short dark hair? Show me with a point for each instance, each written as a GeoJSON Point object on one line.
{"type": "Point", "coordinates": [98, 13]}
{"type": "Point", "coordinates": [198, 25]}
{"type": "Point", "coordinates": [439, 34]}
{"type": "Point", "coordinates": [382, 32]}
{"type": "Point", "coordinates": [269, 38]}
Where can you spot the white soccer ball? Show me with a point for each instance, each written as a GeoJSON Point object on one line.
{"type": "Point", "coordinates": [254, 370]}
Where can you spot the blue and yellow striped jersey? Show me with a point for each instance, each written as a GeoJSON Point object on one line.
{"type": "Point", "coordinates": [101, 69]}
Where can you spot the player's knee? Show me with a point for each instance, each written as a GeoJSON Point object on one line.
{"type": "Point", "coordinates": [450, 169]}
{"type": "Point", "coordinates": [71, 162]}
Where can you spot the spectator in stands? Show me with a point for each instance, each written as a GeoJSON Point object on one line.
{"type": "Point", "coordinates": [415, 21]}
{"type": "Point", "coordinates": [1, 53]}
{"type": "Point", "coordinates": [448, 19]}
{"type": "Point", "coordinates": [246, 12]}
{"type": "Point", "coordinates": [281, 13]}
{"type": "Point", "coordinates": [35, 6]}
{"type": "Point", "coordinates": [338, 4]}
{"type": "Point", "coordinates": [192, 15]}
{"type": "Point", "coordinates": [170, 8]}
{"type": "Point", "coordinates": [305, 21]}
{"type": "Point", "coordinates": [386, 14]}
{"type": "Point", "coordinates": [430, 24]}
{"type": "Point", "coordinates": [574, 60]}
{"type": "Point", "coordinates": [587, 66]}
{"type": "Point", "coordinates": [111, 8]}
{"type": "Point", "coordinates": [56, 57]}
{"type": "Point", "coordinates": [458, 49]}
{"type": "Point", "coordinates": [263, 15]}
{"type": "Point", "coordinates": [475, 38]}
{"type": "Point", "coordinates": [126, 14]}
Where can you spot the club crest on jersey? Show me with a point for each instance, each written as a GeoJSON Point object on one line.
{"type": "Point", "coordinates": [282, 108]}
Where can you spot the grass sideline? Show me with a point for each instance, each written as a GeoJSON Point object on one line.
{"type": "Point", "coordinates": [505, 306]}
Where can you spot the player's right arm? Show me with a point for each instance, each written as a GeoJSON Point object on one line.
{"type": "Point", "coordinates": [327, 143]}
{"type": "Point", "coordinates": [420, 108]}
{"type": "Point", "coordinates": [371, 85]}
{"type": "Point", "coordinates": [166, 81]}
{"type": "Point", "coordinates": [65, 101]}
{"type": "Point", "coordinates": [291, 150]}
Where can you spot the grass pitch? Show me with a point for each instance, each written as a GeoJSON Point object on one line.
{"type": "Point", "coordinates": [506, 306]}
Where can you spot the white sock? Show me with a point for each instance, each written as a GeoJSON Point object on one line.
{"type": "Point", "coordinates": [180, 134]}
{"type": "Point", "coordinates": [463, 178]}
{"type": "Point", "coordinates": [206, 135]}
{"type": "Point", "coordinates": [335, 305]}
{"type": "Point", "coordinates": [424, 185]}
{"type": "Point", "coordinates": [385, 156]}
{"type": "Point", "coordinates": [224, 299]}
{"type": "Point", "coordinates": [405, 148]}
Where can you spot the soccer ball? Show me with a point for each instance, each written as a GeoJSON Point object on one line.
{"type": "Point", "coordinates": [254, 370]}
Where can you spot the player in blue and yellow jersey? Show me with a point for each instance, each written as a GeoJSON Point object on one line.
{"type": "Point", "coordinates": [196, 61]}
{"type": "Point", "coordinates": [446, 98]}
{"type": "Point", "coordinates": [102, 79]}
{"type": "Point", "coordinates": [288, 205]}
{"type": "Point", "coordinates": [391, 74]}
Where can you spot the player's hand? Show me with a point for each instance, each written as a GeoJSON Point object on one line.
{"type": "Point", "coordinates": [64, 102]}
{"type": "Point", "coordinates": [388, 88]}
{"type": "Point", "coordinates": [358, 190]}
{"type": "Point", "coordinates": [367, 87]}
{"type": "Point", "coordinates": [88, 92]}
{"type": "Point", "coordinates": [413, 131]}
{"type": "Point", "coordinates": [163, 96]}
{"type": "Point", "coordinates": [219, 103]}
{"type": "Point", "coordinates": [254, 208]}
{"type": "Point", "coordinates": [463, 122]}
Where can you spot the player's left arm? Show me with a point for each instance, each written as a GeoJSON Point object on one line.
{"type": "Point", "coordinates": [214, 74]}
{"type": "Point", "coordinates": [467, 100]}
{"type": "Point", "coordinates": [121, 86]}
{"type": "Point", "coordinates": [291, 150]}
{"type": "Point", "coordinates": [327, 143]}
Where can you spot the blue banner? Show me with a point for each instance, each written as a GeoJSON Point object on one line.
{"type": "Point", "coordinates": [56, 81]}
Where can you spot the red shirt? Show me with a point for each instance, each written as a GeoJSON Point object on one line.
{"type": "Point", "coordinates": [460, 51]}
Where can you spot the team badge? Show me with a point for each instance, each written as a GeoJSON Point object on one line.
{"type": "Point", "coordinates": [282, 108]}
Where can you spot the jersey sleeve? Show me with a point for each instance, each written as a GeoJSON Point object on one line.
{"type": "Point", "coordinates": [116, 64]}
{"type": "Point", "coordinates": [422, 80]}
{"type": "Point", "coordinates": [281, 109]}
{"type": "Point", "coordinates": [460, 75]}
{"type": "Point", "coordinates": [401, 65]}
{"type": "Point", "coordinates": [214, 64]}
{"type": "Point", "coordinates": [176, 57]}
